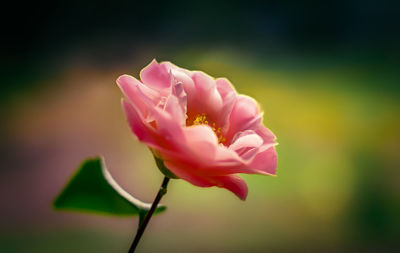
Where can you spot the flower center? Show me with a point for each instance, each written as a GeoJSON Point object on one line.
{"type": "Point", "coordinates": [201, 119]}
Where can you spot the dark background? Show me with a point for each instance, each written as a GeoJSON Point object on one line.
{"type": "Point", "coordinates": [37, 35]}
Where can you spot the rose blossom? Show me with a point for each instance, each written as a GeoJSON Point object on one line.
{"type": "Point", "coordinates": [199, 126]}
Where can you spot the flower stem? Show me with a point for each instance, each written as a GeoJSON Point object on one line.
{"type": "Point", "coordinates": [142, 227]}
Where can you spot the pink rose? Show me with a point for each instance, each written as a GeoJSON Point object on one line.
{"type": "Point", "coordinates": [199, 126]}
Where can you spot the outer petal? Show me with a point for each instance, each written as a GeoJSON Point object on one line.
{"type": "Point", "coordinates": [224, 87]}
{"type": "Point", "coordinates": [166, 119]}
{"type": "Point", "coordinates": [128, 85]}
{"type": "Point", "coordinates": [169, 130]}
{"type": "Point", "coordinates": [172, 66]}
{"type": "Point", "coordinates": [156, 76]}
{"type": "Point", "coordinates": [245, 115]}
{"type": "Point", "coordinates": [245, 142]}
{"type": "Point", "coordinates": [141, 130]}
{"type": "Point", "coordinates": [265, 134]}
{"type": "Point", "coordinates": [174, 108]}
{"type": "Point", "coordinates": [185, 172]}
{"type": "Point", "coordinates": [265, 161]}
{"type": "Point", "coordinates": [234, 184]}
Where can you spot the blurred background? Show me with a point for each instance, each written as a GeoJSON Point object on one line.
{"type": "Point", "coordinates": [326, 74]}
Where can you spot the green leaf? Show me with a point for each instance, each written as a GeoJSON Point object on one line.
{"type": "Point", "coordinates": [92, 189]}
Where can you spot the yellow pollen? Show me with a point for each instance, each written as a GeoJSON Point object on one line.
{"type": "Point", "coordinates": [201, 119]}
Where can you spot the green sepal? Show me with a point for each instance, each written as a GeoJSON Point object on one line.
{"type": "Point", "coordinates": [163, 169]}
{"type": "Point", "coordinates": [93, 189]}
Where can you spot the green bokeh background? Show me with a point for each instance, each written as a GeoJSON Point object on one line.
{"type": "Point", "coordinates": [326, 77]}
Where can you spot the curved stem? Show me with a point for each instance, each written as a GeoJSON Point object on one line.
{"type": "Point", "coordinates": [142, 227]}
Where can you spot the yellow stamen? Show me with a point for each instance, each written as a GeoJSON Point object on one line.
{"type": "Point", "coordinates": [201, 119]}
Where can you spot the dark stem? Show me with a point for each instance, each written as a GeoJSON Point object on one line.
{"type": "Point", "coordinates": [142, 227]}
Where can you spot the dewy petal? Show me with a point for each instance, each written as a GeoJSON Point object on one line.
{"type": "Point", "coordinates": [156, 76]}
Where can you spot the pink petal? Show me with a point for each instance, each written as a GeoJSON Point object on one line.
{"type": "Point", "coordinates": [246, 143]}
{"type": "Point", "coordinates": [226, 158]}
{"type": "Point", "coordinates": [143, 132]}
{"type": "Point", "coordinates": [201, 142]}
{"type": "Point", "coordinates": [265, 162]}
{"type": "Point", "coordinates": [245, 139]}
{"type": "Point", "coordinates": [227, 162]}
{"type": "Point", "coordinates": [245, 115]}
{"type": "Point", "coordinates": [156, 76]}
{"type": "Point", "coordinates": [180, 94]}
{"type": "Point", "coordinates": [265, 134]}
{"type": "Point", "coordinates": [137, 93]}
{"type": "Point", "coordinates": [174, 108]}
{"type": "Point", "coordinates": [169, 130]}
{"type": "Point", "coordinates": [228, 95]}
{"type": "Point", "coordinates": [234, 184]}
{"type": "Point", "coordinates": [207, 99]}
{"type": "Point", "coordinates": [187, 82]}
{"type": "Point", "coordinates": [224, 87]}
{"type": "Point", "coordinates": [184, 172]}
{"type": "Point", "coordinates": [172, 66]}
{"type": "Point", "coordinates": [167, 120]}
